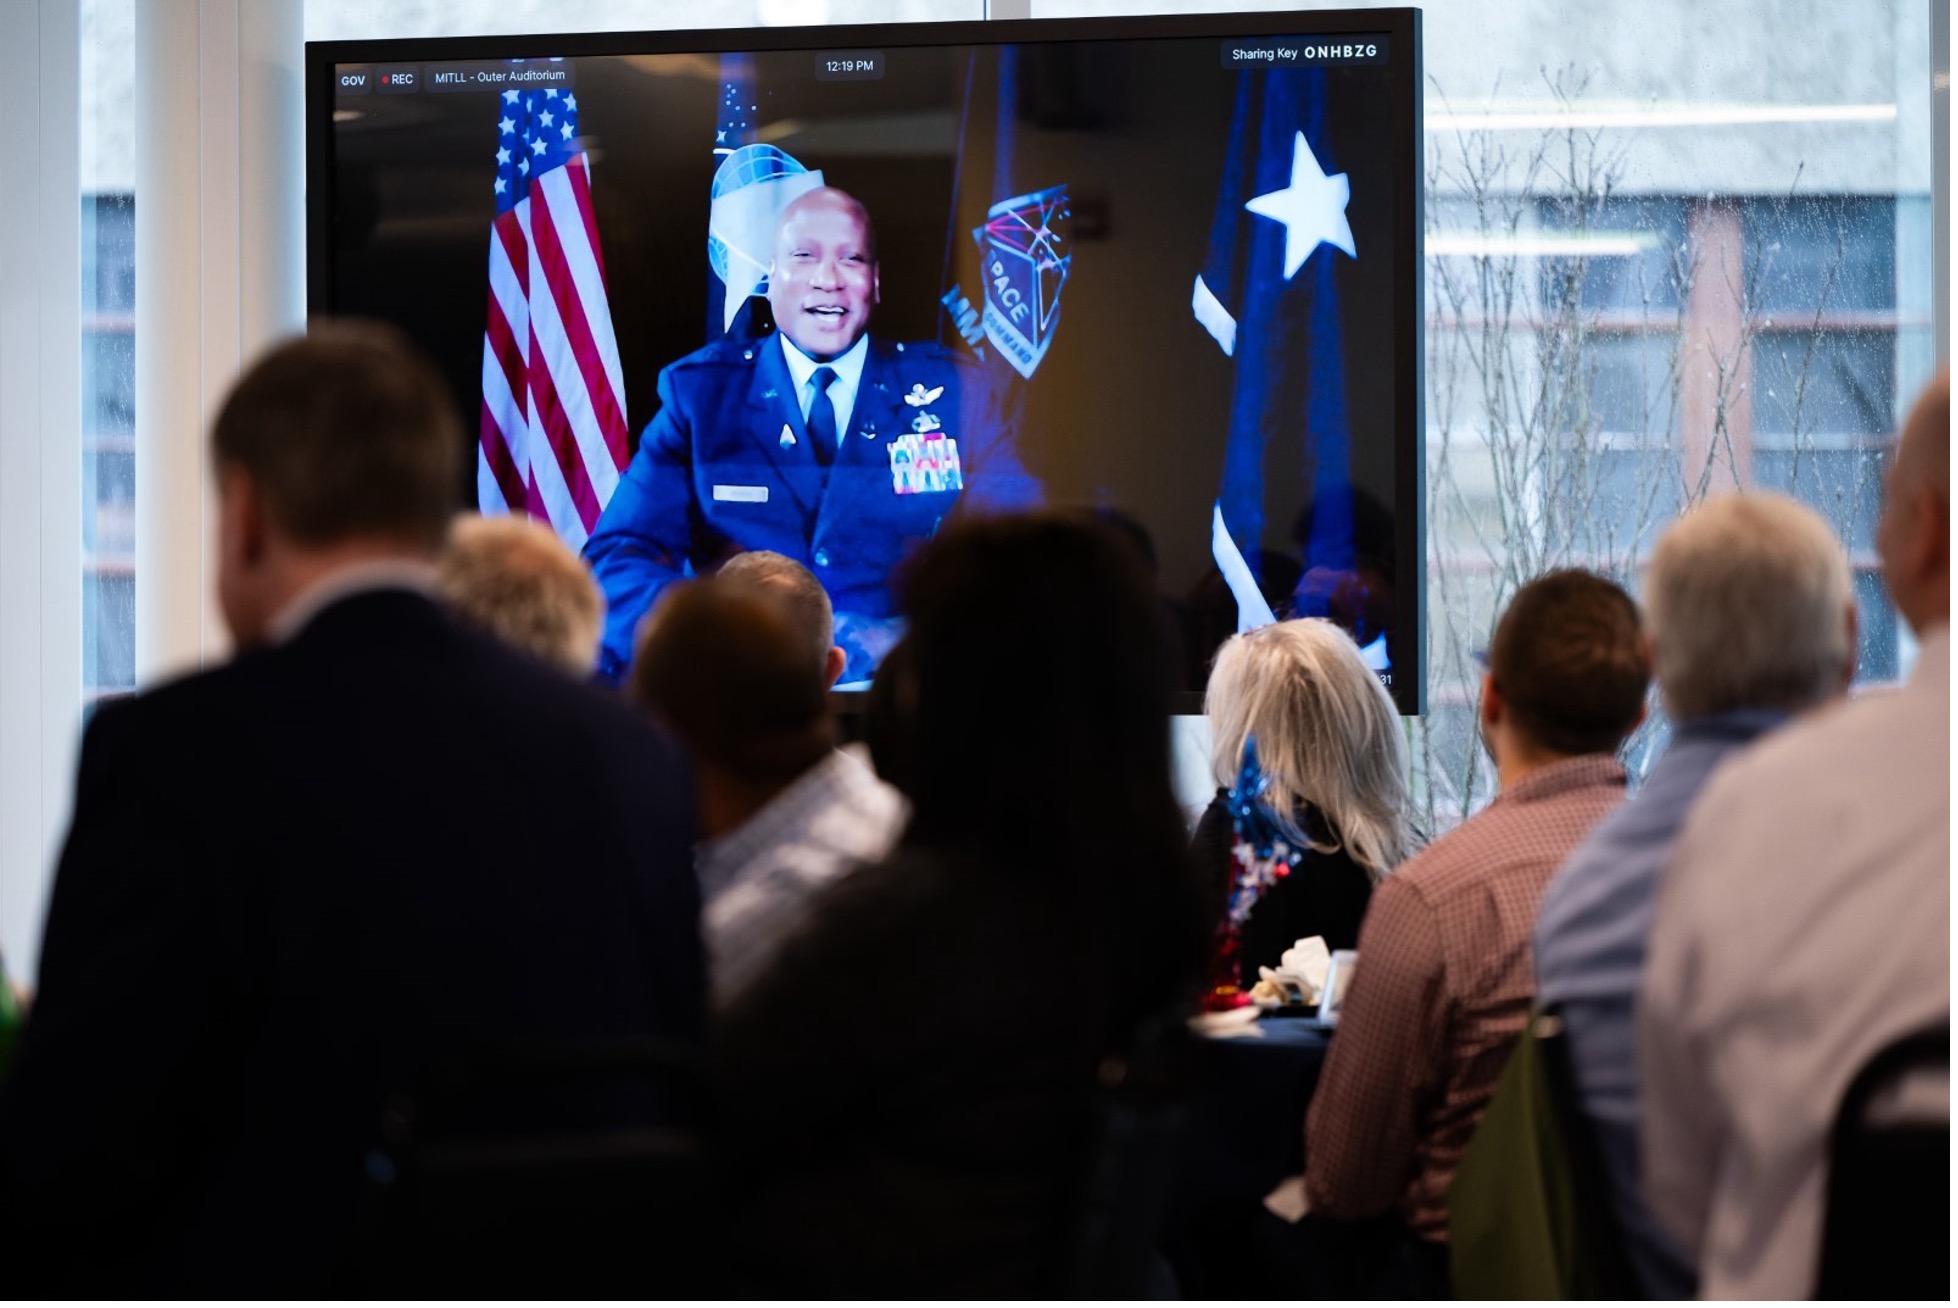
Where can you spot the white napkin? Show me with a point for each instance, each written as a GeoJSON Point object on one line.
{"type": "Point", "coordinates": [1300, 976]}
{"type": "Point", "coordinates": [1308, 960]}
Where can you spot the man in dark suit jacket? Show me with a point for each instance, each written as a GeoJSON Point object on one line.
{"type": "Point", "coordinates": [372, 843]}
{"type": "Point", "coordinates": [819, 442]}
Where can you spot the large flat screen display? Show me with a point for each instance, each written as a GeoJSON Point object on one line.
{"type": "Point", "coordinates": [819, 291]}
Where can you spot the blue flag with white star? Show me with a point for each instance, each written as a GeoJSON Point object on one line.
{"type": "Point", "coordinates": [734, 127]}
{"type": "Point", "coordinates": [1268, 297]}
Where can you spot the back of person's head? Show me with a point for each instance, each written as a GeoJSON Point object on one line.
{"type": "Point", "coordinates": [802, 597]}
{"type": "Point", "coordinates": [1040, 674]}
{"type": "Point", "coordinates": [1748, 605]}
{"type": "Point", "coordinates": [1036, 677]}
{"type": "Point", "coordinates": [514, 578]}
{"type": "Point", "coordinates": [346, 433]}
{"type": "Point", "coordinates": [1568, 662]}
{"type": "Point", "coordinates": [1914, 534]}
{"type": "Point", "coordinates": [730, 671]}
{"type": "Point", "coordinates": [1327, 735]}
{"type": "Point", "coordinates": [890, 710]}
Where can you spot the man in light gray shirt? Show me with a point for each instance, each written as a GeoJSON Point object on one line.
{"type": "Point", "coordinates": [1803, 924]}
{"type": "Point", "coordinates": [1750, 618]}
{"type": "Point", "coordinates": [739, 668]}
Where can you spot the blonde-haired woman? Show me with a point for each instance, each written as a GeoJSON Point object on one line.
{"type": "Point", "coordinates": [1311, 806]}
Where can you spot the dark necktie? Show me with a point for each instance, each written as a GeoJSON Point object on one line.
{"type": "Point", "coordinates": [822, 417]}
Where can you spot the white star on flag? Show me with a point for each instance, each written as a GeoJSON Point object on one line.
{"type": "Point", "coordinates": [550, 95]}
{"type": "Point", "coordinates": [509, 127]}
{"type": "Point", "coordinates": [570, 102]}
{"type": "Point", "coordinates": [501, 186]}
{"type": "Point", "coordinates": [503, 156]}
{"type": "Point", "coordinates": [509, 97]}
{"type": "Point", "coordinates": [546, 118]}
{"type": "Point", "coordinates": [1312, 207]}
{"type": "Point", "coordinates": [539, 145]}
{"type": "Point", "coordinates": [567, 131]}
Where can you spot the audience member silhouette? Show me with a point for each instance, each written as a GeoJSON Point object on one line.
{"type": "Point", "coordinates": [1750, 618]}
{"type": "Point", "coordinates": [515, 579]}
{"type": "Point", "coordinates": [738, 667]}
{"type": "Point", "coordinates": [917, 1070]}
{"type": "Point", "coordinates": [1803, 924]}
{"type": "Point", "coordinates": [1445, 982]}
{"type": "Point", "coordinates": [372, 842]}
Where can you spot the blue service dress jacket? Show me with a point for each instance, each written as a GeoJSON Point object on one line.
{"type": "Point", "coordinates": [727, 465]}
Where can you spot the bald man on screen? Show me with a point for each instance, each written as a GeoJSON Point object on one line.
{"type": "Point", "coordinates": [819, 441]}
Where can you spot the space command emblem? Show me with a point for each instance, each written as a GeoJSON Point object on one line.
{"type": "Point", "coordinates": [922, 462]}
{"type": "Point", "coordinates": [1024, 259]}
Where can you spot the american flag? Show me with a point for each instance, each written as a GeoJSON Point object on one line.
{"type": "Point", "coordinates": [553, 429]}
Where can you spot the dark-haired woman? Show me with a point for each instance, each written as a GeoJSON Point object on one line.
{"type": "Point", "coordinates": [912, 1083]}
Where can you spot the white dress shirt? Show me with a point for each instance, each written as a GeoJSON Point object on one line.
{"type": "Point", "coordinates": [842, 393]}
{"type": "Point", "coordinates": [1803, 924]}
{"type": "Point", "coordinates": [756, 881]}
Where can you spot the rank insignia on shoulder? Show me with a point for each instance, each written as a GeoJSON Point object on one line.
{"type": "Point", "coordinates": [918, 397]}
{"type": "Point", "coordinates": [788, 436]}
{"type": "Point", "coordinates": [922, 464]}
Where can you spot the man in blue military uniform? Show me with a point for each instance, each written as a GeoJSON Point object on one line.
{"type": "Point", "coordinates": [819, 442]}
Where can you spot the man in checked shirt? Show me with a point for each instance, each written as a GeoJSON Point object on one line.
{"type": "Point", "coordinates": [738, 666]}
{"type": "Point", "coordinates": [1445, 979]}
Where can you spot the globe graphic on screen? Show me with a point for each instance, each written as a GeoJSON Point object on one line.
{"type": "Point", "coordinates": [759, 166]}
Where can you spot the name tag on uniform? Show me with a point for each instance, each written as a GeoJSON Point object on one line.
{"type": "Point", "coordinates": [920, 465]}
{"type": "Point", "coordinates": [741, 494]}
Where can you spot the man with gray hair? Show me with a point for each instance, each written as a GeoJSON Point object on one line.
{"type": "Point", "coordinates": [1804, 924]}
{"type": "Point", "coordinates": [801, 594]}
{"type": "Point", "coordinates": [738, 667]}
{"type": "Point", "coordinates": [1749, 619]}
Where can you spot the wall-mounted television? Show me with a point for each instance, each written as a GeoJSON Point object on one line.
{"type": "Point", "coordinates": [817, 290]}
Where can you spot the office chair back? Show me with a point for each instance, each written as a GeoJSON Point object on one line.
{"type": "Point", "coordinates": [601, 1184]}
{"type": "Point", "coordinates": [1887, 1219]}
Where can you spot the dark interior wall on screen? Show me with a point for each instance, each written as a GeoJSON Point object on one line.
{"type": "Point", "coordinates": [1133, 393]}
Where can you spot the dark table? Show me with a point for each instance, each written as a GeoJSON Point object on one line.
{"type": "Point", "coordinates": [1247, 1133]}
{"type": "Point", "coordinates": [1248, 1130]}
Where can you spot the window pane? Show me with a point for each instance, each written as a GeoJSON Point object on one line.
{"type": "Point", "coordinates": [1635, 384]}
{"type": "Point", "coordinates": [1876, 629]}
{"type": "Point", "coordinates": [1822, 384]}
{"type": "Point", "coordinates": [1843, 485]}
{"type": "Point", "coordinates": [108, 287]}
{"type": "Point", "coordinates": [1830, 253]}
{"type": "Point", "coordinates": [1636, 262]}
